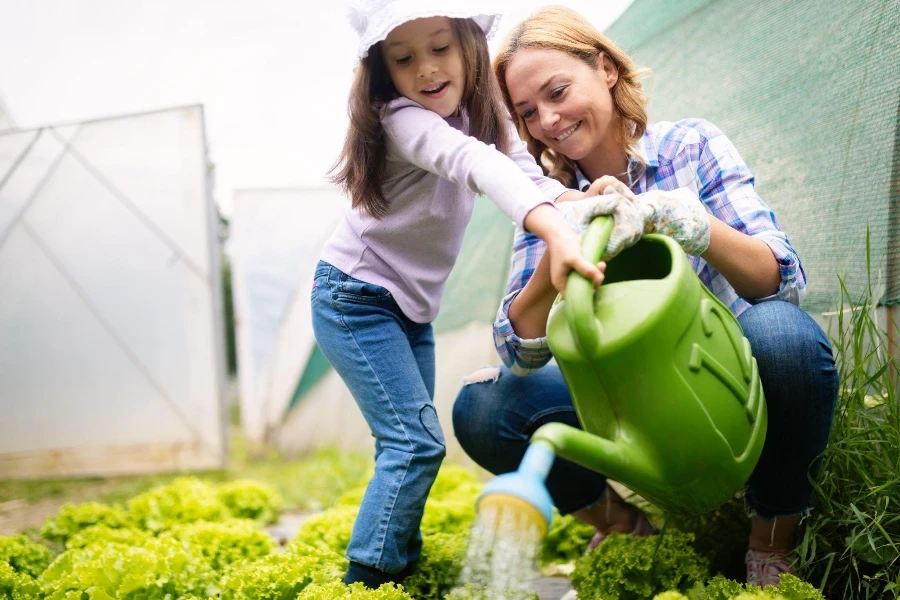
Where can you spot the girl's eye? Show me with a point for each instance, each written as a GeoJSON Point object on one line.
{"type": "Point", "coordinates": [403, 61]}
{"type": "Point", "coordinates": [557, 92]}
{"type": "Point", "coordinates": [442, 49]}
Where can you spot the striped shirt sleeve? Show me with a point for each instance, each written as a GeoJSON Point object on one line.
{"type": "Point", "coordinates": [726, 187]}
{"type": "Point", "coordinates": [522, 356]}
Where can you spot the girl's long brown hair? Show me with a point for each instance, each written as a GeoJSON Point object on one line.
{"type": "Point", "coordinates": [563, 29]}
{"type": "Point", "coordinates": [360, 168]}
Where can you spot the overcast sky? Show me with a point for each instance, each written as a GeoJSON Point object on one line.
{"type": "Point", "coordinates": [272, 77]}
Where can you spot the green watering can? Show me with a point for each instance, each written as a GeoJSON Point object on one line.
{"type": "Point", "coordinates": [662, 379]}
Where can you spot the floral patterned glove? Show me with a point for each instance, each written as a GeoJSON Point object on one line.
{"type": "Point", "coordinates": [678, 214]}
{"type": "Point", "coordinates": [579, 213]}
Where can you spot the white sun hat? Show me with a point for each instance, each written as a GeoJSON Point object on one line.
{"type": "Point", "coordinates": [373, 20]}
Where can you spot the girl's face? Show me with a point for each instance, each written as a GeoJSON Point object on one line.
{"type": "Point", "coordinates": [565, 103]}
{"type": "Point", "coordinates": [425, 62]}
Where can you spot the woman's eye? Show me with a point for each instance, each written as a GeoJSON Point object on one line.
{"type": "Point", "coordinates": [527, 113]}
{"type": "Point", "coordinates": [557, 92]}
{"type": "Point", "coordinates": [403, 61]}
{"type": "Point", "coordinates": [442, 49]}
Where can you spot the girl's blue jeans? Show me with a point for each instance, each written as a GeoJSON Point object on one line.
{"type": "Point", "coordinates": [387, 362]}
{"type": "Point", "coordinates": [494, 418]}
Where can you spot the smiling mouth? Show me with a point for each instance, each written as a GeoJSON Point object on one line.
{"type": "Point", "coordinates": [565, 134]}
{"type": "Point", "coordinates": [435, 89]}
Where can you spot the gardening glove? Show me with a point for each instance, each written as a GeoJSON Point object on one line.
{"type": "Point", "coordinates": [678, 214]}
{"type": "Point", "coordinates": [578, 214]}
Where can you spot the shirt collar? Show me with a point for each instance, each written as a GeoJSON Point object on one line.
{"type": "Point", "coordinates": [644, 150]}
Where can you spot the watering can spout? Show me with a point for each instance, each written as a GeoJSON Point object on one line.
{"type": "Point", "coordinates": [615, 459]}
{"type": "Point", "coordinates": [525, 487]}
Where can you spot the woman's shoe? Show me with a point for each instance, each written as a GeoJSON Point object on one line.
{"type": "Point", "coordinates": [642, 528]}
{"type": "Point", "coordinates": [764, 568]}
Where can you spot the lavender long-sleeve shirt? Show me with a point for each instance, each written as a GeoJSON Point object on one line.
{"type": "Point", "coordinates": [434, 169]}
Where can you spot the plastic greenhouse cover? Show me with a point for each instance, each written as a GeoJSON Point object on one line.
{"type": "Point", "coordinates": [111, 351]}
{"type": "Point", "coordinates": [276, 238]}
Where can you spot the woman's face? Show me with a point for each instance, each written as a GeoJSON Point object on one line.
{"type": "Point", "coordinates": [565, 103]}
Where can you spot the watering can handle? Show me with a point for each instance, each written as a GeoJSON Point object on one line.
{"type": "Point", "coordinates": [580, 290]}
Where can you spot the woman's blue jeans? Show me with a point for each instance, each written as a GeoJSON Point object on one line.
{"type": "Point", "coordinates": [387, 362]}
{"type": "Point", "coordinates": [494, 418]}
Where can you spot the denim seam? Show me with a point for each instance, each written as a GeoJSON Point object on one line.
{"type": "Point", "coordinates": [390, 510]}
{"type": "Point", "coordinates": [549, 411]}
{"type": "Point", "coordinates": [325, 272]}
{"type": "Point", "coordinates": [344, 278]}
{"type": "Point", "coordinates": [588, 505]}
{"type": "Point", "coordinates": [751, 512]}
{"type": "Point", "coordinates": [350, 297]}
{"type": "Point", "coordinates": [752, 506]}
{"type": "Point", "coordinates": [425, 427]}
{"type": "Point", "coordinates": [386, 519]}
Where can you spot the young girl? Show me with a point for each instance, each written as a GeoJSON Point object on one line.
{"type": "Point", "coordinates": [428, 131]}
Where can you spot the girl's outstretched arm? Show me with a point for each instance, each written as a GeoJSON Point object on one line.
{"type": "Point", "coordinates": [424, 139]}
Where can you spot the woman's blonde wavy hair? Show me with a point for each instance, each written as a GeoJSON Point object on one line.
{"type": "Point", "coordinates": [560, 28]}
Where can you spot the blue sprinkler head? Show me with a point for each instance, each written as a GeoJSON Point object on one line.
{"type": "Point", "coordinates": [527, 483]}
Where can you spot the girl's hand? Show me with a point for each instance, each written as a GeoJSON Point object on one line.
{"type": "Point", "coordinates": [563, 246]}
{"type": "Point", "coordinates": [565, 254]}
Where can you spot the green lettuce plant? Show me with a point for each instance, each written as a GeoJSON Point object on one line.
{"type": "Point", "coordinates": [21, 561]}
{"type": "Point", "coordinates": [103, 534]}
{"type": "Point", "coordinates": [185, 500]}
{"type": "Point", "coordinates": [453, 481]}
{"type": "Point", "coordinates": [566, 540]}
{"type": "Point", "coordinates": [720, 536]}
{"type": "Point", "coordinates": [626, 567]}
{"type": "Point", "coordinates": [790, 588]}
{"type": "Point", "coordinates": [249, 499]}
{"type": "Point", "coordinates": [451, 510]}
{"type": "Point", "coordinates": [233, 541]}
{"type": "Point", "coordinates": [329, 530]}
{"type": "Point", "coordinates": [282, 576]}
{"type": "Point", "coordinates": [337, 590]}
{"type": "Point", "coordinates": [23, 556]}
{"type": "Point", "coordinates": [15, 585]}
{"type": "Point", "coordinates": [438, 569]}
{"type": "Point", "coordinates": [161, 569]}
{"type": "Point", "coordinates": [720, 588]}
{"type": "Point", "coordinates": [73, 518]}
{"type": "Point", "coordinates": [352, 497]}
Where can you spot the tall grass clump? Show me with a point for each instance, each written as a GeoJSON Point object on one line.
{"type": "Point", "coordinates": [850, 544]}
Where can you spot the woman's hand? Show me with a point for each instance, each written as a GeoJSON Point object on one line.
{"type": "Point", "coordinates": [605, 197]}
{"type": "Point", "coordinates": [678, 214]}
{"type": "Point", "coordinates": [580, 212]}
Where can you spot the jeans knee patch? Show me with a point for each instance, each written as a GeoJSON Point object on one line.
{"type": "Point", "coordinates": [483, 375]}
{"type": "Point", "coordinates": [429, 419]}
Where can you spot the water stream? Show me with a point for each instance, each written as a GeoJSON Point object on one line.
{"type": "Point", "coordinates": [501, 559]}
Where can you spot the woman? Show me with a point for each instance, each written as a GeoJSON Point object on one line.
{"type": "Point", "coordinates": [580, 107]}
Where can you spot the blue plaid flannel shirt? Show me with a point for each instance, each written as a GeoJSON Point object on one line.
{"type": "Point", "coordinates": [690, 153]}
